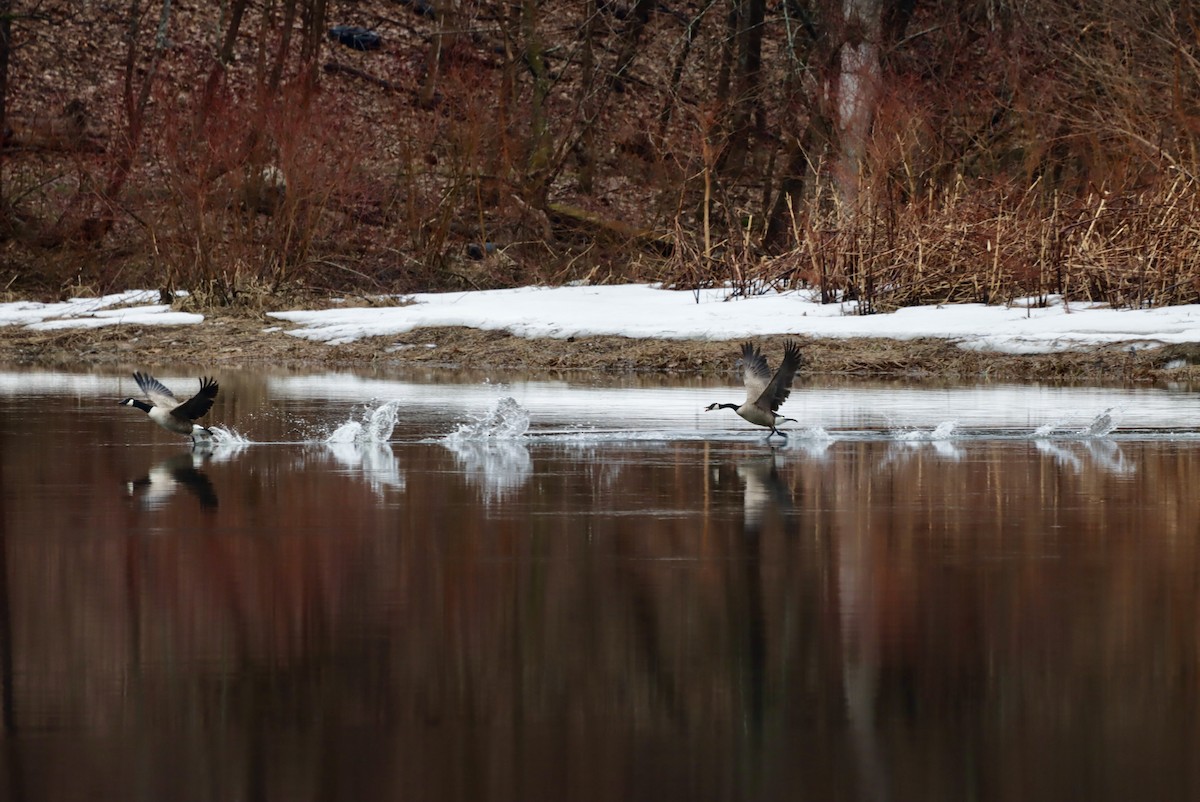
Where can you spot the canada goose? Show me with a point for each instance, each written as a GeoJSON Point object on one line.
{"type": "Point", "coordinates": [168, 411]}
{"type": "Point", "coordinates": [764, 392]}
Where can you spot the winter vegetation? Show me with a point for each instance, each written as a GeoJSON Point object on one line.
{"type": "Point", "coordinates": [888, 153]}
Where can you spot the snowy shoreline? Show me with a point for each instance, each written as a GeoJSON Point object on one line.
{"type": "Point", "coordinates": [646, 312]}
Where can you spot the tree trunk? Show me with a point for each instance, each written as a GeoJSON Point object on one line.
{"type": "Point", "coordinates": [539, 133]}
{"type": "Point", "coordinates": [443, 39]}
{"type": "Point", "coordinates": [135, 105]}
{"type": "Point", "coordinates": [780, 222]}
{"type": "Point", "coordinates": [5, 40]}
{"type": "Point", "coordinates": [632, 37]}
{"type": "Point", "coordinates": [224, 56]}
{"type": "Point", "coordinates": [285, 42]}
{"type": "Point", "coordinates": [314, 35]}
{"type": "Point", "coordinates": [746, 109]}
{"type": "Point", "coordinates": [858, 87]}
{"type": "Point", "coordinates": [693, 28]}
{"type": "Point", "coordinates": [591, 105]}
{"type": "Point", "coordinates": [93, 228]}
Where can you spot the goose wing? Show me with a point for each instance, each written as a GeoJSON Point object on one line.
{"type": "Point", "coordinates": [200, 403]}
{"type": "Point", "coordinates": [779, 388]}
{"type": "Point", "coordinates": [755, 373]}
{"type": "Point", "coordinates": [156, 391]}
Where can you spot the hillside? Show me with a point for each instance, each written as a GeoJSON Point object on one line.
{"type": "Point", "coordinates": [242, 152]}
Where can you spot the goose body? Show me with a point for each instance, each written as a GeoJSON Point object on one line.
{"type": "Point", "coordinates": [168, 411]}
{"type": "Point", "coordinates": [765, 392]}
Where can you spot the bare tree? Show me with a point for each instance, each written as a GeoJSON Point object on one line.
{"type": "Point", "coordinates": [285, 41]}
{"type": "Point", "coordinates": [313, 28]}
{"type": "Point", "coordinates": [857, 90]}
{"type": "Point", "coordinates": [745, 106]}
{"type": "Point", "coordinates": [441, 43]}
{"type": "Point", "coordinates": [224, 58]}
{"type": "Point", "coordinates": [6, 15]}
{"type": "Point", "coordinates": [134, 100]}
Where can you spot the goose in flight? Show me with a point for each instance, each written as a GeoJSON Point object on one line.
{"type": "Point", "coordinates": [168, 411]}
{"type": "Point", "coordinates": [764, 392]}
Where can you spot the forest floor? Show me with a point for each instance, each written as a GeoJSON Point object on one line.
{"type": "Point", "coordinates": [236, 340]}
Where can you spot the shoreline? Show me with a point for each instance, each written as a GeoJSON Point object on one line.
{"type": "Point", "coordinates": [248, 340]}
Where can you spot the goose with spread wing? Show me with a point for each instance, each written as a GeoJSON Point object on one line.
{"type": "Point", "coordinates": [168, 411]}
{"type": "Point", "coordinates": [765, 392]}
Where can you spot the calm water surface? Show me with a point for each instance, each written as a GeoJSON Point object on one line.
{"type": "Point", "coordinates": [439, 587]}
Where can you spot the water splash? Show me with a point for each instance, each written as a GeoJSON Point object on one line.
{"type": "Point", "coordinates": [1103, 424]}
{"type": "Point", "coordinates": [814, 441]}
{"type": "Point", "coordinates": [375, 427]}
{"type": "Point", "coordinates": [943, 431]}
{"type": "Point", "coordinates": [505, 420]}
{"type": "Point", "coordinates": [225, 436]}
{"type": "Point", "coordinates": [1046, 430]}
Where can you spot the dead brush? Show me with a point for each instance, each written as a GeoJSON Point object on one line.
{"type": "Point", "coordinates": [243, 293]}
{"type": "Point", "coordinates": [956, 247]}
{"type": "Point", "coordinates": [735, 264]}
{"type": "Point", "coordinates": [992, 243]}
{"type": "Point", "coordinates": [1136, 250]}
{"type": "Point", "coordinates": [256, 187]}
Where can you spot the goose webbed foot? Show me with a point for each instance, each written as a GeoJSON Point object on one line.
{"type": "Point", "coordinates": [202, 436]}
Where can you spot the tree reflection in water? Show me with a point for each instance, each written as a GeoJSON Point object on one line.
{"type": "Point", "coordinates": [988, 618]}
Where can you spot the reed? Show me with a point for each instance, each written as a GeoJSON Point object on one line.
{"type": "Point", "coordinates": [980, 244]}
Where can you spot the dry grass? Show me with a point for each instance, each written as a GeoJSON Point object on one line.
{"type": "Point", "coordinates": [239, 339]}
{"type": "Point", "coordinates": [986, 245]}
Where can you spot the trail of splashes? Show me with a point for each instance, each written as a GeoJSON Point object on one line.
{"type": "Point", "coordinates": [506, 420]}
{"type": "Point", "coordinates": [812, 433]}
{"type": "Point", "coordinates": [943, 431]}
{"type": "Point", "coordinates": [224, 436]}
{"type": "Point", "coordinates": [1103, 424]}
{"type": "Point", "coordinates": [1045, 430]}
{"type": "Point", "coordinates": [375, 427]}
{"type": "Point", "coordinates": [814, 441]}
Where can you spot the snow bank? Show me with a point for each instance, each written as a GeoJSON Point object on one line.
{"type": "Point", "coordinates": [638, 310]}
{"type": "Point", "coordinates": [94, 312]}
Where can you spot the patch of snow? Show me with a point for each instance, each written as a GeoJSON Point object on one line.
{"type": "Point", "coordinates": [643, 310]}
{"type": "Point", "coordinates": [107, 310]}
{"type": "Point", "coordinates": [1030, 325]}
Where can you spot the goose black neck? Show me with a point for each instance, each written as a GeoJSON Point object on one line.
{"type": "Point", "coordinates": [142, 405]}
{"type": "Point", "coordinates": [727, 406]}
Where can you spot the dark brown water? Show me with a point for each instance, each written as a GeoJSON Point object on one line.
{"type": "Point", "coordinates": [614, 618]}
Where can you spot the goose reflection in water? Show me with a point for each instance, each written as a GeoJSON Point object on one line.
{"type": "Point", "coordinates": [162, 481]}
{"type": "Point", "coordinates": [764, 491]}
